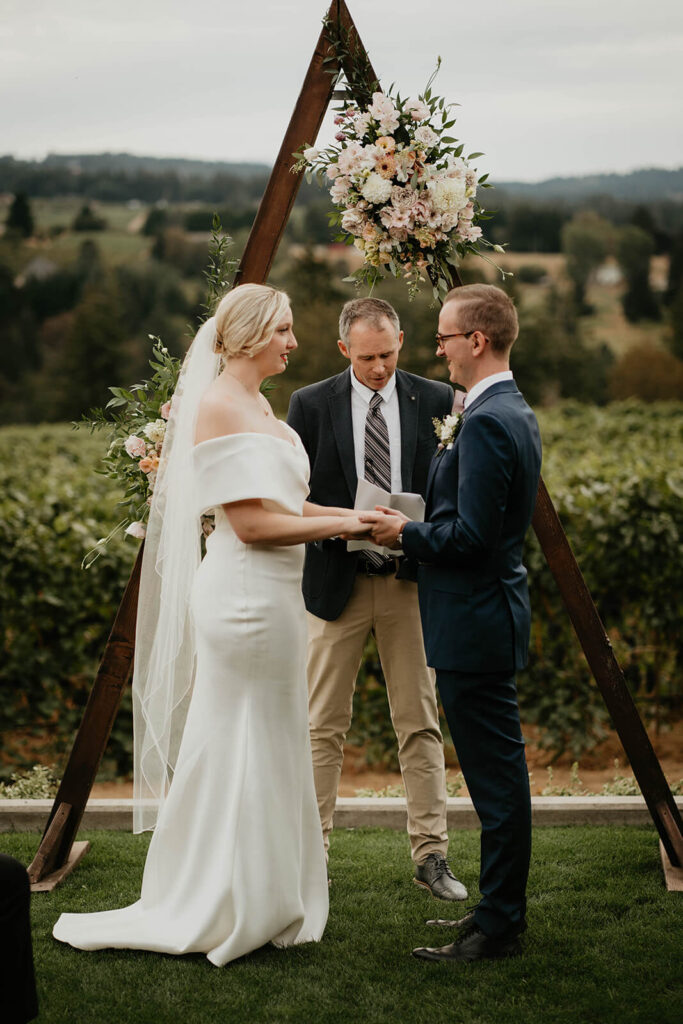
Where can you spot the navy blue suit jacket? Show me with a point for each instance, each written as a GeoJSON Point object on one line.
{"type": "Point", "coordinates": [481, 495]}
{"type": "Point", "coordinates": [321, 415]}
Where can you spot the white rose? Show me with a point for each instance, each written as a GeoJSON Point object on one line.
{"type": "Point", "coordinates": [418, 110]}
{"type": "Point", "coordinates": [426, 136]}
{"type": "Point", "coordinates": [155, 431]}
{"type": "Point", "coordinates": [376, 189]}
{"type": "Point", "coordinates": [311, 154]}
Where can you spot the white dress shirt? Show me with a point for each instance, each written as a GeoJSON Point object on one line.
{"type": "Point", "coordinates": [360, 403]}
{"type": "Point", "coordinates": [485, 383]}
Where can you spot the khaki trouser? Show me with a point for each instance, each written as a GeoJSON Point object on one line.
{"type": "Point", "coordinates": [389, 607]}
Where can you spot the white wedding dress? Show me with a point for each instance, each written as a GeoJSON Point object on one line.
{"type": "Point", "coordinates": [237, 857]}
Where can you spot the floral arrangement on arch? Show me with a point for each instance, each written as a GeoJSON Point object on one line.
{"type": "Point", "coordinates": [405, 195]}
{"type": "Point", "coordinates": [136, 417]}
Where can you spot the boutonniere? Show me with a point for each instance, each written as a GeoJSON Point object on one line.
{"type": "Point", "coordinates": [446, 430]}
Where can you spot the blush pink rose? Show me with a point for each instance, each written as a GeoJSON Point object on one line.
{"type": "Point", "coordinates": [165, 410]}
{"type": "Point", "coordinates": [135, 446]}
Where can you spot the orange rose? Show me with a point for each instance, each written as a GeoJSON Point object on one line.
{"type": "Point", "coordinates": [150, 463]}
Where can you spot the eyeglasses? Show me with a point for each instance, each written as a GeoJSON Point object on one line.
{"type": "Point", "coordinates": [440, 338]}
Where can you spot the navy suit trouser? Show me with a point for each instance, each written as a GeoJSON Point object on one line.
{"type": "Point", "coordinates": [483, 718]}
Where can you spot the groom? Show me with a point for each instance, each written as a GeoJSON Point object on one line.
{"type": "Point", "coordinates": [373, 421]}
{"type": "Point", "coordinates": [475, 604]}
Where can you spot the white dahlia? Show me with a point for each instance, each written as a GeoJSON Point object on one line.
{"type": "Point", "coordinates": [376, 188]}
{"type": "Point", "coordinates": [448, 194]}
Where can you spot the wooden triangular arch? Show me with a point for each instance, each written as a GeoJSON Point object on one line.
{"type": "Point", "coordinates": [57, 854]}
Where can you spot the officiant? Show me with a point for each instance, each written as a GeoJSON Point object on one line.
{"type": "Point", "coordinates": [373, 422]}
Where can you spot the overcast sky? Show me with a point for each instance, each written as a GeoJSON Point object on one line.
{"type": "Point", "coordinates": [547, 87]}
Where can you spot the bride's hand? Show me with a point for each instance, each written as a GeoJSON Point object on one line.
{"type": "Point", "coordinates": [353, 527]}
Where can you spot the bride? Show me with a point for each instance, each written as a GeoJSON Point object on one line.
{"type": "Point", "coordinates": [222, 752]}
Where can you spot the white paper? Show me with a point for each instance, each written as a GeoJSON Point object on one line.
{"type": "Point", "coordinates": [368, 495]}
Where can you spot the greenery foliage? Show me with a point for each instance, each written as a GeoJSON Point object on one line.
{"type": "Point", "coordinates": [38, 783]}
{"type": "Point", "coordinates": [54, 617]}
{"type": "Point", "coordinates": [619, 784]}
{"type": "Point", "coordinates": [132, 414]}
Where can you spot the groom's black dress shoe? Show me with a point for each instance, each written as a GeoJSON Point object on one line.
{"type": "Point", "coordinates": [443, 922]}
{"type": "Point", "coordinates": [434, 874]}
{"type": "Point", "coordinates": [472, 944]}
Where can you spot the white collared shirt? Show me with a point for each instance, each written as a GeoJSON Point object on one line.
{"type": "Point", "coordinates": [360, 403]}
{"type": "Point", "coordinates": [485, 383]}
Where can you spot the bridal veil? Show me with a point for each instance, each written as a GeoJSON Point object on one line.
{"type": "Point", "coordinates": [165, 647]}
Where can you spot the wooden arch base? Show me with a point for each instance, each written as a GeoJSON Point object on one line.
{"type": "Point", "coordinates": [56, 855]}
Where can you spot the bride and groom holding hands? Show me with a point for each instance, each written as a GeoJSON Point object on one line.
{"type": "Point", "coordinates": [225, 646]}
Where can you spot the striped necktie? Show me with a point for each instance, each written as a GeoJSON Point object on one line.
{"type": "Point", "coordinates": [377, 460]}
{"type": "Point", "coordinates": [377, 457]}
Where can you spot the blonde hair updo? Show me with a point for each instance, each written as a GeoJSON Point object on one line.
{"type": "Point", "coordinates": [247, 318]}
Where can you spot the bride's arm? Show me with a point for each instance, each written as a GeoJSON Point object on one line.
{"type": "Point", "coordinates": [255, 524]}
{"type": "Point", "coordinates": [311, 509]}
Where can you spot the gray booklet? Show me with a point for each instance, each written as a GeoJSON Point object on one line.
{"type": "Point", "coordinates": [368, 495]}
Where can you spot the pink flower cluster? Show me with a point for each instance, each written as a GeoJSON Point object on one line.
{"type": "Point", "coordinates": [149, 452]}
{"type": "Point", "coordinates": [400, 190]}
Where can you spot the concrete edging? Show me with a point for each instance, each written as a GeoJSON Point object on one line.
{"type": "Point", "coordinates": [362, 812]}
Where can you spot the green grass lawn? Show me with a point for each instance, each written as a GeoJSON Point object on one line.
{"type": "Point", "coordinates": [603, 941]}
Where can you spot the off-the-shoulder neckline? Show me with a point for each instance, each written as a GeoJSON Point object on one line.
{"type": "Point", "coordinates": [248, 433]}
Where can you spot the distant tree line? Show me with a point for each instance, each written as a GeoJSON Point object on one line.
{"type": "Point", "coordinates": [40, 180]}
{"type": "Point", "coordinates": [70, 330]}
{"type": "Point", "coordinates": [68, 333]}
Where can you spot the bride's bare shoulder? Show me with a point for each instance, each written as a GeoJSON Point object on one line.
{"type": "Point", "coordinates": [219, 413]}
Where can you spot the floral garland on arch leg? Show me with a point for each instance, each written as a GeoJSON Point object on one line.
{"type": "Point", "coordinates": [136, 417]}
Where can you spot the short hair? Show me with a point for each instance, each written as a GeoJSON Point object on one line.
{"type": "Point", "coordinates": [246, 319]}
{"type": "Point", "coordinates": [486, 308]}
{"type": "Point", "coordinates": [371, 311]}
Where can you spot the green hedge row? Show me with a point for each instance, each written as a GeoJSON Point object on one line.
{"type": "Point", "coordinates": [616, 479]}
{"type": "Point", "coordinates": [54, 616]}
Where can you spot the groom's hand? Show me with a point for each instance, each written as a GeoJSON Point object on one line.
{"type": "Point", "coordinates": [387, 524]}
